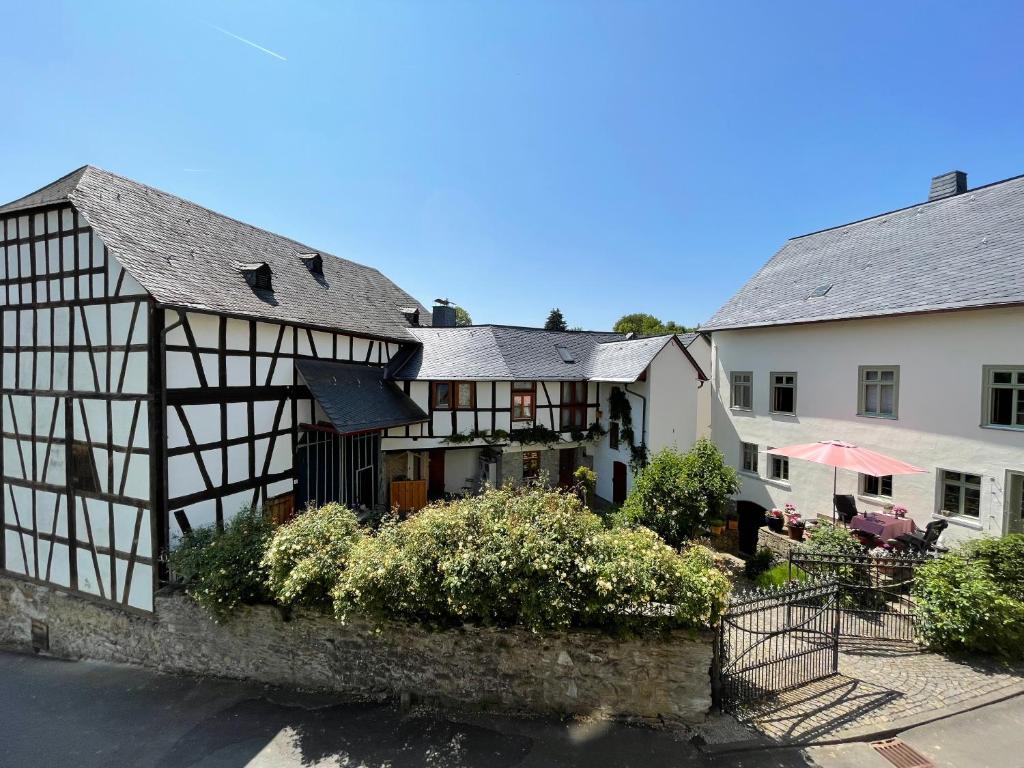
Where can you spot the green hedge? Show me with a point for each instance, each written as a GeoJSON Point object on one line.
{"type": "Point", "coordinates": [970, 600]}
{"type": "Point", "coordinates": [527, 556]}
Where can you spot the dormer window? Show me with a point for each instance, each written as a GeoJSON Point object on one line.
{"type": "Point", "coordinates": [314, 262]}
{"type": "Point", "coordinates": [411, 315]}
{"type": "Point", "coordinates": [257, 275]}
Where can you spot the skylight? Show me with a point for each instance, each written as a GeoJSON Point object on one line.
{"type": "Point", "coordinates": [820, 291]}
{"type": "Point", "coordinates": [566, 353]}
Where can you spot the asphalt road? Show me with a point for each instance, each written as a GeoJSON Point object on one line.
{"type": "Point", "coordinates": [83, 714]}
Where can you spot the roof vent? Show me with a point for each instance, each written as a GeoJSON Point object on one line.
{"type": "Point", "coordinates": [412, 315]}
{"type": "Point", "coordinates": [314, 263]}
{"type": "Point", "coordinates": [820, 291]}
{"type": "Point", "coordinates": [565, 353]}
{"type": "Point", "coordinates": [257, 275]}
{"type": "Point", "coordinates": [947, 185]}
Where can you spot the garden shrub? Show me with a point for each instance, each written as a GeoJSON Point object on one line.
{"type": "Point", "coordinates": [1004, 559]}
{"type": "Point", "coordinates": [855, 579]}
{"type": "Point", "coordinates": [307, 555]}
{"type": "Point", "coordinates": [758, 563]}
{"type": "Point", "coordinates": [779, 576]}
{"type": "Point", "coordinates": [961, 606]}
{"type": "Point", "coordinates": [827, 539]}
{"type": "Point", "coordinates": [676, 494]}
{"type": "Point", "coordinates": [223, 569]}
{"type": "Point", "coordinates": [528, 556]}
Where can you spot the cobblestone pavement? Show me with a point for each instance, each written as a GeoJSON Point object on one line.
{"type": "Point", "coordinates": [879, 682]}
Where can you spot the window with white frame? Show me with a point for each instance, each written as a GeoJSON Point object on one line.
{"type": "Point", "coordinates": [1004, 396]}
{"type": "Point", "coordinates": [748, 457]}
{"type": "Point", "coordinates": [876, 486]}
{"type": "Point", "coordinates": [742, 388]}
{"type": "Point", "coordinates": [783, 392]}
{"type": "Point", "coordinates": [778, 466]}
{"type": "Point", "coordinates": [878, 392]}
{"type": "Point", "coordinates": [961, 493]}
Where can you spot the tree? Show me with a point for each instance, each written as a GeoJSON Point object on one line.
{"type": "Point", "coordinates": [555, 321]}
{"type": "Point", "coordinates": [462, 317]}
{"type": "Point", "coordinates": [643, 324]}
{"type": "Point", "coordinates": [676, 494]}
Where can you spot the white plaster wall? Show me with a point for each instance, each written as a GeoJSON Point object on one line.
{"type": "Point", "coordinates": [604, 455]}
{"type": "Point", "coordinates": [672, 405]}
{"type": "Point", "coordinates": [700, 350]}
{"type": "Point", "coordinates": [459, 465]}
{"type": "Point", "coordinates": [940, 406]}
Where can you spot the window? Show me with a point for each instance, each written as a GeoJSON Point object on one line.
{"type": "Point", "coordinates": [876, 486]}
{"type": "Point", "coordinates": [524, 396]}
{"type": "Point", "coordinates": [961, 493]}
{"type": "Point", "coordinates": [879, 391]}
{"type": "Point", "coordinates": [783, 393]}
{"type": "Point", "coordinates": [460, 395]}
{"type": "Point", "coordinates": [748, 457]}
{"type": "Point", "coordinates": [742, 390]}
{"type": "Point", "coordinates": [531, 465]}
{"type": "Point", "coordinates": [613, 435]}
{"type": "Point", "coordinates": [574, 405]}
{"type": "Point", "coordinates": [1004, 396]}
{"type": "Point", "coordinates": [778, 466]}
{"type": "Point", "coordinates": [83, 469]}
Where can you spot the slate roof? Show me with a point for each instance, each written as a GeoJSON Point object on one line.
{"type": "Point", "coordinates": [188, 256]}
{"type": "Point", "coordinates": [357, 398]}
{"type": "Point", "coordinates": [954, 253]}
{"type": "Point", "coordinates": [498, 352]}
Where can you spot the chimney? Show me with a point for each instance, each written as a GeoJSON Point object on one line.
{"type": "Point", "coordinates": [947, 185]}
{"type": "Point", "coordinates": [443, 315]}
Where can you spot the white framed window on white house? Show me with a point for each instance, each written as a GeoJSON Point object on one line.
{"type": "Point", "coordinates": [878, 391]}
{"type": "Point", "coordinates": [783, 393]}
{"type": "Point", "coordinates": [876, 486]}
{"type": "Point", "coordinates": [1003, 404]}
{"type": "Point", "coordinates": [748, 457]}
{"type": "Point", "coordinates": [960, 493]}
{"type": "Point", "coordinates": [778, 466]}
{"type": "Point", "coordinates": [741, 386]}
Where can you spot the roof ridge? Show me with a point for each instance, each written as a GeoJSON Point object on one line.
{"type": "Point", "coordinates": [12, 205]}
{"type": "Point", "coordinates": [908, 207]}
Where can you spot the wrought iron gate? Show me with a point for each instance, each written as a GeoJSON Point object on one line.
{"type": "Point", "coordinates": [874, 592]}
{"type": "Point", "coordinates": [770, 642]}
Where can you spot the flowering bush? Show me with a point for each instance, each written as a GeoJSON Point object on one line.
{"type": "Point", "coordinates": [526, 556]}
{"type": "Point", "coordinates": [775, 512]}
{"type": "Point", "coordinates": [307, 555]}
{"type": "Point", "coordinates": [222, 569]}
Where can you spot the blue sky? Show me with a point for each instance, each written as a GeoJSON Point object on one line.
{"type": "Point", "coordinates": [600, 157]}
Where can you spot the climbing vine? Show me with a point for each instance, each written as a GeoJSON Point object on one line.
{"type": "Point", "coordinates": [537, 434]}
{"type": "Point", "coordinates": [621, 410]}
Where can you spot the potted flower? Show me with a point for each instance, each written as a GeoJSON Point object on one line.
{"type": "Point", "coordinates": [717, 526]}
{"type": "Point", "coordinates": [732, 521]}
{"type": "Point", "coordinates": [899, 510]}
{"type": "Point", "coordinates": [774, 519]}
{"type": "Point", "coordinates": [796, 526]}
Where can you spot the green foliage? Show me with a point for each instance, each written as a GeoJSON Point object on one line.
{"type": "Point", "coordinates": [621, 410]}
{"type": "Point", "coordinates": [462, 317]}
{"type": "Point", "coordinates": [1004, 559]}
{"type": "Point", "coordinates": [586, 482]}
{"type": "Point", "coordinates": [223, 570]}
{"type": "Point", "coordinates": [525, 556]}
{"type": "Point", "coordinates": [555, 321]}
{"type": "Point", "coordinates": [832, 540]}
{"type": "Point", "coordinates": [961, 606]}
{"type": "Point", "coordinates": [779, 576]}
{"type": "Point", "coordinates": [676, 494]}
{"type": "Point", "coordinates": [643, 324]}
{"type": "Point", "coordinates": [536, 434]}
{"type": "Point", "coordinates": [307, 555]}
{"type": "Point", "coordinates": [759, 563]}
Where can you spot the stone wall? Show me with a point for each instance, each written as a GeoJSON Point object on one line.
{"type": "Point", "coordinates": [779, 543]}
{"type": "Point", "coordinates": [655, 679]}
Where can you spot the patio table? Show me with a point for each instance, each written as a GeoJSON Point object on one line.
{"type": "Point", "coordinates": [882, 525]}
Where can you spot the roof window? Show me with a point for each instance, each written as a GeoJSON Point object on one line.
{"type": "Point", "coordinates": [314, 263]}
{"type": "Point", "coordinates": [258, 275]}
{"type": "Point", "coordinates": [820, 291]}
{"type": "Point", "coordinates": [565, 353]}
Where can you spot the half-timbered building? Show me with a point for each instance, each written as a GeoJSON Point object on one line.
{"type": "Point", "coordinates": [164, 366]}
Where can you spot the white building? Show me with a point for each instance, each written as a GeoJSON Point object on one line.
{"type": "Point", "coordinates": [903, 333]}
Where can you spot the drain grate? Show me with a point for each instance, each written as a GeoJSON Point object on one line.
{"type": "Point", "coordinates": [901, 755]}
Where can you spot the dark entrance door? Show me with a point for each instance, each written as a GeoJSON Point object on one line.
{"type": "Point", "coordinates": [566, 466]}
{"type": "Point", "coordinates": [435, 474]}
{"type": "Point", "coordinates": [751, 517]}
{"type": "Point", "coordinates": [618, 482]}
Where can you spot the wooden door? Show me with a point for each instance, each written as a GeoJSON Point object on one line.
{"type": "Point", "coordinates": [618, 482]}
{"type": "Point", "coordinates": [566, 466]}
{"type": "Point", "coordinates": [435, 474]}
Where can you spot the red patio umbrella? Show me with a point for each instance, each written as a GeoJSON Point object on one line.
{"type": "Point", "coordinates": [838, 454]}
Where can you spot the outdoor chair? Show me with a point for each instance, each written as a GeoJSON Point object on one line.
{"type": "Point", "coordinates": [846, 507]}
{"type": "Point", "coordinates": [921, 542]}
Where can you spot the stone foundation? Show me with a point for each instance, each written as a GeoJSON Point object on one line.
{"type": "Point", "coordinates": [779, 543]}
{"type": "Point", "coordinates": [666, 678]}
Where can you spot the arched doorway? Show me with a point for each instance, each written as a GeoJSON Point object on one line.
{"type": "Point", "coordinates": [751, 517]}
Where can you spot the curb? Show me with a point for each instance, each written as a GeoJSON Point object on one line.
{"type": "Point", "coordinates": [870, 732]}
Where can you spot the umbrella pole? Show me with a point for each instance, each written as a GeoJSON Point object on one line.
{"type": "Point", "coordinates": [835, 475]}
